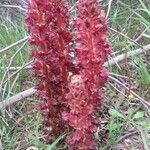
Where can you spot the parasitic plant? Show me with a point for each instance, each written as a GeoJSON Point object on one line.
{"type": "Point", "coordinates": [85, 97]}
{"type": "Point", "coordinates": [69, 89]}
{"type": "Point", "coordinates": [47, 21]}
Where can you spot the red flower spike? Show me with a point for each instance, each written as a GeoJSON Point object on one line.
{"type": "Point", "coordinates": [47, 21]}
{"type": "Point", "coordinates": [84, 98]}
{"type": "Point", "coordinates": [69, 100]}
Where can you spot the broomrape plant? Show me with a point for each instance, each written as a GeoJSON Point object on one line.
{"type": "Point", "coordinates": [69, 88]}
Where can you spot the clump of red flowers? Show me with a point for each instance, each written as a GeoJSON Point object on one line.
{"type": "Point", "coordinates": [70, 93]}
{"type": "Point", "coordinates": [48, 21]}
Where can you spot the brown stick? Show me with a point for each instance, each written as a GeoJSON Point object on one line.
{"type": "Point", "coordinates": [121, 57]}
{"type": "Point", "coordinates": [14, 44]}
{"type": "Point", "coordinates": [17, 97]}
{"type": "Point", "coordinates": [14, 6]}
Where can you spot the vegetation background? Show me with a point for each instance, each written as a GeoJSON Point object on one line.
{"type": "Point", "coordinates": [125, 114]}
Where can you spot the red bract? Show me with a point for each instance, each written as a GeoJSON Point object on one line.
{"type": "Point", "coordinates": [47, 21]}
{"type": "Point", "coordinates": [84, 98]}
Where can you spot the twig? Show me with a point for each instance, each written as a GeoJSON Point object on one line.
{"type": "Point", "coordinates": [14, 44]}
{"type": "Point", "coordinates": [71, 9]}
{"type": "Point", "coordinates": [14, 6]}
{"type": "Point", "coordinates": [144, 102]}
{"type": "Point", "coordinates": [126, 136]}
{"type": "Point", "coordinates": [121, 57]}
{"type": "Point", "coordinates": [146, 35]}
{"type": "Point", "coordinates": [18, 71]}
{"type": "Point", "coordinates": [15, 68]}
{"type": "Point", "coordinates": [118, 90]}
{"type": "Point", "coordinates": [120, 33]}
{"type": "Point", "coordinates": [111, 62]}
{"type": "Point", "coordinates": [118, 75]}
{"type": "Point", "coordinates": [17, 97]}
{"type": "Point", "coordinates": [11, 60]}
{"type": "Point", "coordinates": [29, 92]}
{"type": "Point", "coordinates": [109, 6]}
{"type": "Point", "coordinates": [141, 35]}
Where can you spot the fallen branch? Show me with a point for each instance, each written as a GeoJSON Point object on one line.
{"type": "Point", "coordinates": [31, 91]}
{"type": "Point", "coordinates": [16, 68]}
{"type": "Point", "coordinates": [141, 35]}
{"type": "Point", "coordinates": [14, 6]}
{"type": "Point", "coordinates": [14, 44]}
{"type": "Point", "coordinates": [146, 35]}
{"type": "Point", "coordinates": [121, 57]}
{"type": "Point", "coordinates": [17, 97]}
{"type": "Point", "coordinates": [111, 62]}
